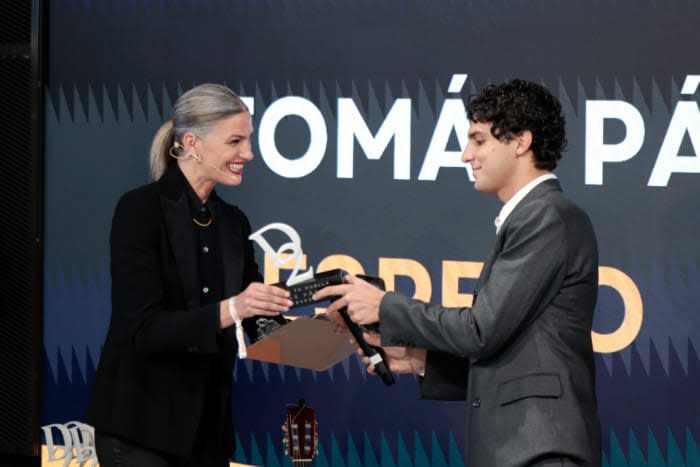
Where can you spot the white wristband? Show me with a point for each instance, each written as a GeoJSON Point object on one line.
{"type": "Point", "coordinates": [239, 327]}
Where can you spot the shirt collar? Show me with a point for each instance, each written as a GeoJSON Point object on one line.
{"type": "Point", "coordinates": [515, 200]}
{"type": "Point", "coordinates": [196, 205]}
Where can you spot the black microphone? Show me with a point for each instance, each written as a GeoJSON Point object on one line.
{"type": "Point", "coordinates": [375, 354]}
{"type": "Point", "coordinates": [302, 293]}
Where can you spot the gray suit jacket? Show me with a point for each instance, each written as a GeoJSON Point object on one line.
{"type": "Point", "coordinates": [522, 356]}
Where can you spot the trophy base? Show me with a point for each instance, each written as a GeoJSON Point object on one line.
{"type": "Point", "coordinates": [305, 342]}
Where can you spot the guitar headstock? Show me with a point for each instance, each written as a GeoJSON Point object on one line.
{"type": "Point", "coordinates": [300, 433]}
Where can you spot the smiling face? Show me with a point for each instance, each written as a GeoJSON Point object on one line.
{"type": "Point", "coordinates": [218, 156]}
{"type": "Point", "coordinates": [225, 149]}
{"type": "Point", "coordinates": [495, 163]}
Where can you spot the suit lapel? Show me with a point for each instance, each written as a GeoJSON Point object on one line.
{"type": "Point", "coordinates": [488, 262]}
{"type": "Point", "coordinates": [176, 212]}
{"type": "Point", "coordinates": [535, 193]}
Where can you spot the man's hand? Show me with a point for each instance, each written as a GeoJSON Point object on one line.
{"type": "Point", "coordinates": [361, 298]}
{"type": "Point", "coordinates": [399, 359]}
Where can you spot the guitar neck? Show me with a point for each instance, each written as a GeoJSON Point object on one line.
{"type": "Point", "coordinates": [300, 434]}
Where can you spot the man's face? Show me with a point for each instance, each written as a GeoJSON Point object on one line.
{"type": "Point", "coordinates": [493, 161]}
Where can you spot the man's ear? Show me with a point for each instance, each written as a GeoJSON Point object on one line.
{"type": "Point", "coordinates": [523, 142]}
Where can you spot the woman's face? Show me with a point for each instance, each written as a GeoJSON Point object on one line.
{"type": "Point", "coordinates": [222, 153]}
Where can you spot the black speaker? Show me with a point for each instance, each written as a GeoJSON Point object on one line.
{"type": "Point", "coordinates": [21, 236]}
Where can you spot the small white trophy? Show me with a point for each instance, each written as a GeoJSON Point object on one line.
{"type": "Point", "coordinates": [305, 342]}
{"type": "Point", "coordinates": [293, 248]}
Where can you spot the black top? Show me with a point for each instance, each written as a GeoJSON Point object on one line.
{"type": "Point", "coordinates": [204, 223]}
{"type": "Point", "coordinates": [207, 245]}
{"type": "Point", "coordinates": [165, 373]}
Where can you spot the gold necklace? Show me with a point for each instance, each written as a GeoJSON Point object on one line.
{"type": "Point", "coordinates": [206, 224]}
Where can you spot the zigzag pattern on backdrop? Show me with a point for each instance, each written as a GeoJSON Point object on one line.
{"type": "Point", "coordinates": [663, 361]}
{"type": "Point", "coordinates": [647, 393]}
{"type": "Point", "coordinates": [641, 401]}
{"type": "Point", "coordinates": [665, 338]}
{"type": "Point", "coordinates": [645, 416]}
{"type": "Point", "coordinates": [367, 456]}
{"type": "Point", "coordinates": [360, 452]}
{"type": "Point", "coordinates": [152, 101]}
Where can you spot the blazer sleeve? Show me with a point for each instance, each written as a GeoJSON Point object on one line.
{"type": "Point", "coordinates": [522, 277]}
{"type": "Point", "coordinates": [145, 287]}
{"type": "Point", "coordinates": [251, 272]}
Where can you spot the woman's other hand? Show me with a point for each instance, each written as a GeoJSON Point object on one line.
{"type": "Point", "coordinates": [257, 299]}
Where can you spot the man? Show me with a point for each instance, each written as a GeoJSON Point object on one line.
{"type": "Point", "coordinates": [521, 356]}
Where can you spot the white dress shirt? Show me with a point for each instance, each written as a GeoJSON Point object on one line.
{"type": "Point", "coordinates": [513, 202]}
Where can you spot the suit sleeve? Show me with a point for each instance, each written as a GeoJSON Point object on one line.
{"type": "Point", "coordinates": [521, 276]}
{"type": "Point", "coordinates": [141, 312]}
{"type": "Point", "coordinates": [445, 377]}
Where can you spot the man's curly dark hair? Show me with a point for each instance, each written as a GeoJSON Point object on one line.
{"type": "Point", "coordinates": [520, 105]}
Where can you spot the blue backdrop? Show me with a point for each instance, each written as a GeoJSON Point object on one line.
{"type": "Point", "coordinates": [359, 117]}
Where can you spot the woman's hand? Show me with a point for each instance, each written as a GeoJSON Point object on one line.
{"type": "Point", "coordinates": [256, 299]}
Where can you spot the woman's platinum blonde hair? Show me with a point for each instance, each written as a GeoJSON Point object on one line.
{"type": "Point", "coordinates": [197, 110]}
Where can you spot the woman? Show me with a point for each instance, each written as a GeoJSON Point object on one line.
{"type": "Point", "coordinates": [183, 278]}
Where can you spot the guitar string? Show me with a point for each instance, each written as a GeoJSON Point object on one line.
{"type": "Point", "coordinates": [298, 463]}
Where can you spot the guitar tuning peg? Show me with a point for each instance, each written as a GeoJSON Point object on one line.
{"type": "Point", "coordinates": [284, 428]}
{"type": "Point", "coordinates": [286, 452]}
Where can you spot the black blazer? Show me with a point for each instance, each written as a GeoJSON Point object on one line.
{"type": "Point", "coordinates": [522, 356]}
{"type": "Point", "coordinates": [162, 345]}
